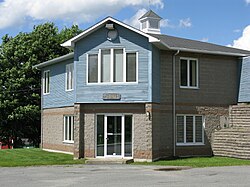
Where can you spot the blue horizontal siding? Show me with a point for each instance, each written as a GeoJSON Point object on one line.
{"type": "Point", "coordinates": [244, 94]}
{"type": "Point", "coordinates": [58, 96]}
{"type": "Point", "coordinates": [127, 39]}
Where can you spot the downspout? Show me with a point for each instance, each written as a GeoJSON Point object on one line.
{"type": "Point", "coordinates": [173, 106]}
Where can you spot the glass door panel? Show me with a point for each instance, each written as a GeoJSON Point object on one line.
{"type": "Point", "coordinates": [100, 135]}
{"type": "Point", "coordinates": [114, 135]}
{"type": "Point", "coordinates": [128, 136]}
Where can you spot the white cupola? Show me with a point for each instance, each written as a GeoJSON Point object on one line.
{"type": "Point", "coordinates": [150, 23]}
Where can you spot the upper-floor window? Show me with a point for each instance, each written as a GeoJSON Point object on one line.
{"type": "Point", "coordinates": [46, 82]}
{"type": "Point", "coordinates": [68, 128]}
{"type": "Point", "coordinates": [111, 66]}
{"type": "Point", "coordinates": [154, 23]}
{"type": "Point", "coordinates": [189, 129]}
{"type": "Point", "coordinates": [189, 73]}
{"type": "Point", "coordinates": [69, 77]}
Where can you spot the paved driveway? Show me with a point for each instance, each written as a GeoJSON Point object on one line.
{"type": "Point", "coordinates": [122, 175]}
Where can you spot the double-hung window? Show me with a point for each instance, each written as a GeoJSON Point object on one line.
{"type": "Point", "coordinates": [188, 73]}
{"type": "Point", "coordinates": [112, 66]}
{"type": "Point", "coordinates": [189, 130]}
{"type": "Point", "coordinates": [69, 77]}
{"type": "Point", "coordinates": [68, 128]}
{"type": "Point", "coordinates": [46, 82]}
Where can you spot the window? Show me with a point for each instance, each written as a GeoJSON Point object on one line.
{"type": "Point", "coordinates": [93, 68]}
{"type": "Point", "coordinates": [189, 73]}
{"type": "Point", "coordinates": [131, 67]}
{"type": "Point", "coordinates": [69, 76]}
{"type": "Point", "coordinates": [46, 82]}
{"type": "Point", "coordinates": [69, 129]}
{"type": "Point", "coordinates": [154, 24]}
{"type": "Point", "coordinates": [112, 66]}
{"type": "Point", "coordinates": [189, 130]}
{"type": "Point", "coordinates": [144, 24]}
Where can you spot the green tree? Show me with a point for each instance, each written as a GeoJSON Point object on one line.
{"type": "Point", "coordinates": [20, 84]}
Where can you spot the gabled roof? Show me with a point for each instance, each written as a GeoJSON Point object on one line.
{"type": "Point", "coordinates": [164, 42]}
{"type": "Point", "coordinates": [175, 43]}
{"type": "Point", "coordinates": [70, 43]}
{"type": "Point", "coordinates": [150, 14]}
{"type": "Point", "coordinates": [55, 60]}
{"type": "Point", "coordinates": [169, 42]}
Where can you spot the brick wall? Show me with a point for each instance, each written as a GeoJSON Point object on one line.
{"type": "Point", "coordinates": [52, 129]}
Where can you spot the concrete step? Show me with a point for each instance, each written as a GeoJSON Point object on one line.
{"type": "Point", "coordinates": [108, 161]}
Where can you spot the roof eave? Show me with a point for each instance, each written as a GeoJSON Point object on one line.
{"type": "Point", "coordinates": [70, 43]}
{"type": "Point", "coordinates": [203, 51]}
{"type": "Point", "coordinates": [211, 52]}
{"type": "Point", "coordinates": [54, 61]}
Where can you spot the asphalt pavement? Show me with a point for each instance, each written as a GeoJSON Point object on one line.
{"type": "Point", "coordinates": [123, 175]}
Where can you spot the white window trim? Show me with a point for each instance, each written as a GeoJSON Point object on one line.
{"type": "Point", "coordinates": [188, 73]}
{"type": "Point", "coordinates": [44, 79]}
{"type": "Point", "coordinates": [190, 143]}
{"type": "Point", "coordinates": [112, 68]}
{"type": "Point", "coordinates": [66, 77]}
{"type": "Point", "coordinates": [64, 127]}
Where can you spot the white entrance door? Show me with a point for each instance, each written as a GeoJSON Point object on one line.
{"type": "Point", "coordinates": [114, 135]}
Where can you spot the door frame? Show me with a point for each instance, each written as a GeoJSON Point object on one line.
{"type": "Point", "coordinates": [122, 135]}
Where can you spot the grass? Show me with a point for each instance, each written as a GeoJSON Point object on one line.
{"type": "Point", "coordinates": [38, 157]}
{"type": "Point", "coordinates": [199, 162]}
{"type": "Point", "coordinates": [34, 157]}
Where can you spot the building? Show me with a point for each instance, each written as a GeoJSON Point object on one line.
{"type": "Point", "coordinates": [129, 93]}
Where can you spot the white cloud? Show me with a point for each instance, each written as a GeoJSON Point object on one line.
{"type": "Point", "coordinates": [185, 22]}
{"type": "Point", "coordinates": [243, 42]}
{"type": "Point", "coordinates": [166, 23]}
{"type": "Point", "coordinates": [133, 21]}
{"type": "Point", "coordinates": [13, 12]}
{"type": "Point", "coordinates": [204, 39]}
{"type": "Point", "coordinates": [247, 1]}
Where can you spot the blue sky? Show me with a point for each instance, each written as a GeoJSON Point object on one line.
{"type": "Point", "coordinates": [224, 22]}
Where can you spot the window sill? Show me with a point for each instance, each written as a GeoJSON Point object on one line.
{"type": "Point", "coordinates": [189, 87]}
{"type": "Point", "coordinates": [46, 93]}
{"type": "Point", "coordinates": [112, 83]}
{"type": "Point", "coordinates": [190, 144]}
{"type": "Point", "coordinates": [69, 90]}
{"type": "Point", "coordinates": [68, 142]}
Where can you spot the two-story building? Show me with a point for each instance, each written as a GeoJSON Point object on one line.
{"type": "Point", "coordinates": [130, 93]}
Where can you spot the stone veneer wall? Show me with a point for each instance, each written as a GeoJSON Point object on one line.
{"type": "Point", "coordinates": [233, 140]}
{"type": "Point", "coordinates": [142, 141]}
{"type": "Point", "coordinates": [52, 129]}
{"type": "Point", "coordinates": [89, 135]}
{"type": "Point", "coordinates": [78, 132]}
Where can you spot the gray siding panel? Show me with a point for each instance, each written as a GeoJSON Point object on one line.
{"type": "Point", "coordinates": [218, 80]}
{"type": "Point", "coordinates": [244, 93]}
{"type": "Point", "coordinates": [156, 75]}
{"type": "Point", "coordinates": [130, 92]}
{"type": "Point", "coordinates": [58, 97]}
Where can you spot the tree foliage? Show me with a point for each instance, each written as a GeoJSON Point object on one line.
{"type": "Point", "coordinates": [20, 84]}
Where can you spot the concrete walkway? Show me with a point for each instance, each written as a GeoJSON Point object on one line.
{"type": "Point", "coordinates": [122, 175]}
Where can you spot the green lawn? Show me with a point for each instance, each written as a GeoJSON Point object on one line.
{"type": "Point", "coordinates": [199, 162]}
{"type": "Point", "coordinates": [38, 157]}
{"type": "Point", "coordinates": [34, 157]}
